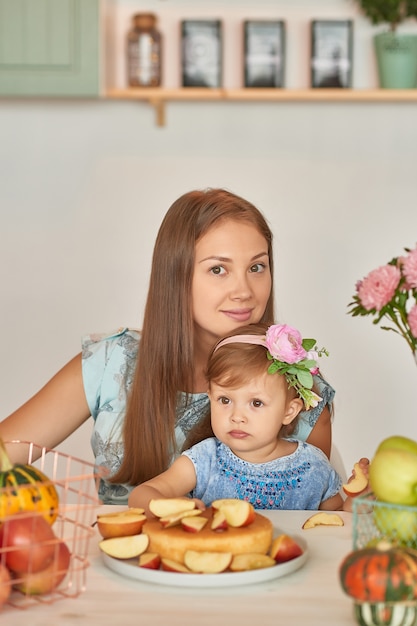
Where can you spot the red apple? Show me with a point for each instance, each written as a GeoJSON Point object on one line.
{"type": "Point", "coordinates": [28, 542]}
{"type": "Point", "coordinates": [5, 584]}
{"type": "Point", "coordinates": [46, 580]}
{"type": "Point", "coordinates": [284, 548]}
{"type": "Point", "coordinates": [150, 560]}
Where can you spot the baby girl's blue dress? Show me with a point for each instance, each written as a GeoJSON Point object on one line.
{"type": "Point", "coordinates": [301, 480]}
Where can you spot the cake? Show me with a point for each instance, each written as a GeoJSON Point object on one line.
{"type": "Point", "coordinates": [173, 542]}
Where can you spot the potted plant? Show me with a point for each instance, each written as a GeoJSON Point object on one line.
{"type": "Point", "coordinates": [396, 52]}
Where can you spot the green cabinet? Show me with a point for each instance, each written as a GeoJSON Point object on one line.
{"type": "Point", "coordinates": [49, 48]}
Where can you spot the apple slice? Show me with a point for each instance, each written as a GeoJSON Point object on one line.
{"type": "Point", "coordinates": [125, 547]}
{"type": "Point", "coordinates": [176, 518]}
{"type": "Point", "coordinates": [358, 484]}
{"type": "Point", "coordinates": [130, 511]}
{"type": "Point", "coordinates": [284, 548]}
{"type": "Point", "coordinates": [207, 562]}
{"type": "Point", "coordinates": [150, 560]}
{"type": "Point", "coordinates": [162, 507]}
{"type": "Point", "coordinates": [120, 525]}
{"type": "Point", "coordinates": [217, 504]}
{"type": "Point", "coordinates": [219, 522]}
{"type": "Point", "coordinates": [194, 524]}
{"type": "Point", "coordinates": [169, 565]}
{"type": "Point", "coordinates": [323, 519]}
{"type": "Point", "coordinates": [251, 560]}
{"type": "Point", "coordinates": [237, 512]}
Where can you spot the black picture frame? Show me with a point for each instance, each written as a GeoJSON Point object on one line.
{"type": "Point", "coordinates": [201, 53]}
{"type": "Point", "coordinates": [264, 53]}
{"type": "Point", "coordinates": [331, 53]}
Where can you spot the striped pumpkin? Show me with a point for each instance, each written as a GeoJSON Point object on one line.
{"type": "Point", "coordinates": [25, 488]}
{"type": "Point", "coordinates": [383, 573]}
{"type": "Point", "coordinates": [386, 613]}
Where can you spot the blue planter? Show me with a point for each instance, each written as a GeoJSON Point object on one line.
{"type": "Point", "coordinates": [397, 60]}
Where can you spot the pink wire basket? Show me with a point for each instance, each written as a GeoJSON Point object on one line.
{"type": "Point", "coordinates": [75, 482]}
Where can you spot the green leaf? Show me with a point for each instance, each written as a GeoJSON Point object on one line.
{"type": "Point", "coordinates": [308, 344]}
{"type": "Point", "coordinates": [305, 379]}
{"type": "Point", "coordinates": [309, 363]}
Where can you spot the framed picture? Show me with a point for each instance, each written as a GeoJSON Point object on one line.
{"type": "Point", "coordinates": [201, 59]}
{"type": "Point", "coordinates": [331, 53]}
{"type": "Point", "coordinates": [264, 53]}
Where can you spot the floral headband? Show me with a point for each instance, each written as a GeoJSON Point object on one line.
{"type": "Point", "coordinates": [292, 356]}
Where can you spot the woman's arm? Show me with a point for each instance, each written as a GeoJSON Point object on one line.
{"type": "Point", "coordinates": [52, 414]}
{"type": "Point", "coordinates": [175, 482]}
{"type": "Point", "coordinates": [321, 435]}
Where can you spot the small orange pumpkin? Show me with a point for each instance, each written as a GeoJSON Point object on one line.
{"type": "Point", "coordinates": [382, 573]}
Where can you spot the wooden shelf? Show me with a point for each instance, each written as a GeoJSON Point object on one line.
{"type": "Point", "coordinates": [159, 96]}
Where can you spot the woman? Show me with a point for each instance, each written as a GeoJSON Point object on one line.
{"type": "Point", "coordinates": [212, 272]}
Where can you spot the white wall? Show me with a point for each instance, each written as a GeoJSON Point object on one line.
{"type": "Point", "coordinates": [85, 184]}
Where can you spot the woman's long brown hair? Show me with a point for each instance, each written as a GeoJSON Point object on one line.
{"type": "Point", "coordinates": [166, 353]}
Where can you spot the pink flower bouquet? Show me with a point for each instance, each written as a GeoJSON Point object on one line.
{"type": "Point", "coordinates": [390, 293]}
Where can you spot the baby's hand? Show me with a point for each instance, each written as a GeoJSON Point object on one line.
{"type": "Point", "coordinates": [199, 504]}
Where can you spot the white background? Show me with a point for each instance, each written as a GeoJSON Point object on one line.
{"type": "Point", "coordinates": [84, 186]}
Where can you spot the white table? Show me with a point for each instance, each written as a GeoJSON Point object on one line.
{"type": "Point", "coordinates": [311, 596]}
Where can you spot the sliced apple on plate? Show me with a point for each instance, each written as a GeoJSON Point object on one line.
{"type": "Point", "coordinates": [193, 524]}
{"type": "Point", "coordinates": [127, 547]}
{"type": "Point", "coordinates": [207, 562]}
{"type": "Point", "coordinates": [114, 525]}
{"type": "Point", "coordinates": [284, 548]}
{"type": "Point", "coordinates": [219, 522]}
{"type": "Point", "coordinates": [130, 511]}
{"type": "Point", "coordinates": [237, 512]}
{"type": "Point", "coordinates": [323, 519]}
{"type": "Point", "coordinates": [163, 507]}
{"type": "Point", "coordinates": [357, 484]}
{"type": "Point", "coordinates": [169, 565]}
{"type": "Point", "coordinates": [251, 560]}
{"type": "Point", "coordinates": [149, 560]}
{"type": "Point", "coordinates": [176, 518]}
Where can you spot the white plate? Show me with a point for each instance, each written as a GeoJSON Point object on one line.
{"type": "Point", "coordinates": [131, 569]}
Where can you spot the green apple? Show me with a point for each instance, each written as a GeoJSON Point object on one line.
{"type": "Point", "coordinates": [396, 523]}
{"type": "Point", "coordinates": [393, 476]}
{"type": "Point", "coordinates": [398, 443]}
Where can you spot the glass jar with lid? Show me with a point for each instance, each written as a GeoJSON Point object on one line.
{"type": "Point", "coordinates": [144, 50]}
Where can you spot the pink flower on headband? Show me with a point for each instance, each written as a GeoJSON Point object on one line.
{"type": "Point", "coordinates": [285, 343]}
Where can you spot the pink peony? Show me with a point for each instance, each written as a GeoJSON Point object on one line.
{"type": "Point", "coordinates": [409, 267]}
{"type": "Point", "coordinates": [377, 289]}
{"type": "Point", "coordinates": [412, 320]}
{"type": "Point", "coordinates": [285, 343]}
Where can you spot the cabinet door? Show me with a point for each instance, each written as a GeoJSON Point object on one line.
{"type": "Point", "coordinates": [49, 47]}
